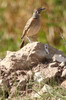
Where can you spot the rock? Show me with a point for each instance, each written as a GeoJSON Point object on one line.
{"type": "Point", "coordinates": [54, 64]}
{"type": "Point", "coordinates": [59, 58]}
{"type": "Point", "coordinates": [28, 56]}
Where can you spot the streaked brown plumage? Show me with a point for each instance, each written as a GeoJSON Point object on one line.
{"type": "Point", "coordinates": [32, 26]}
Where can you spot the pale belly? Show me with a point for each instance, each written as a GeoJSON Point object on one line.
{"type": "Point", "coordinates": [33, 30]}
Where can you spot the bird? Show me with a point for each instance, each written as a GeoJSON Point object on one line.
{"type": "Point", "coordinates": [32, 26]}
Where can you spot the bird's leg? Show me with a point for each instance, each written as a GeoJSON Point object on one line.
{"type": "Point", "coordinates": [29, 39]}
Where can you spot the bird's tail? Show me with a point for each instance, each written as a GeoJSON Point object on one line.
{"type": "Point", "coordinates": [22, 44]}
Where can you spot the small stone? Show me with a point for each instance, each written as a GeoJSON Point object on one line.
{"type": "Point", "coordinates": [38, 77]}
{"type": "Point", "coordinates": [54, 64]}
{"type": "Point", "coordinates": [62, 64]}
{"type": "Point", "coordinates": [63, 73]}
{"type": "Point", "coordinates": [59, 58]}
{"type": "Point", "coordinates": [46, 88]}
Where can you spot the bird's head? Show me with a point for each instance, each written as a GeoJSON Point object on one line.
{"type": "Point", "coordinates": [37, 12]}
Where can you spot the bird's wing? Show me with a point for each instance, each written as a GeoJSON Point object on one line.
{"type": "Point", "coordinates": [27, 26]}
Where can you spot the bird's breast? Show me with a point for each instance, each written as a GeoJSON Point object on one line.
{"type": "Point", "coordinates": [34, 28]}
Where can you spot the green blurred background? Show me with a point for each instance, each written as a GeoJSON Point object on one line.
{"type": "Point", "coordinates": [15, 13]}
